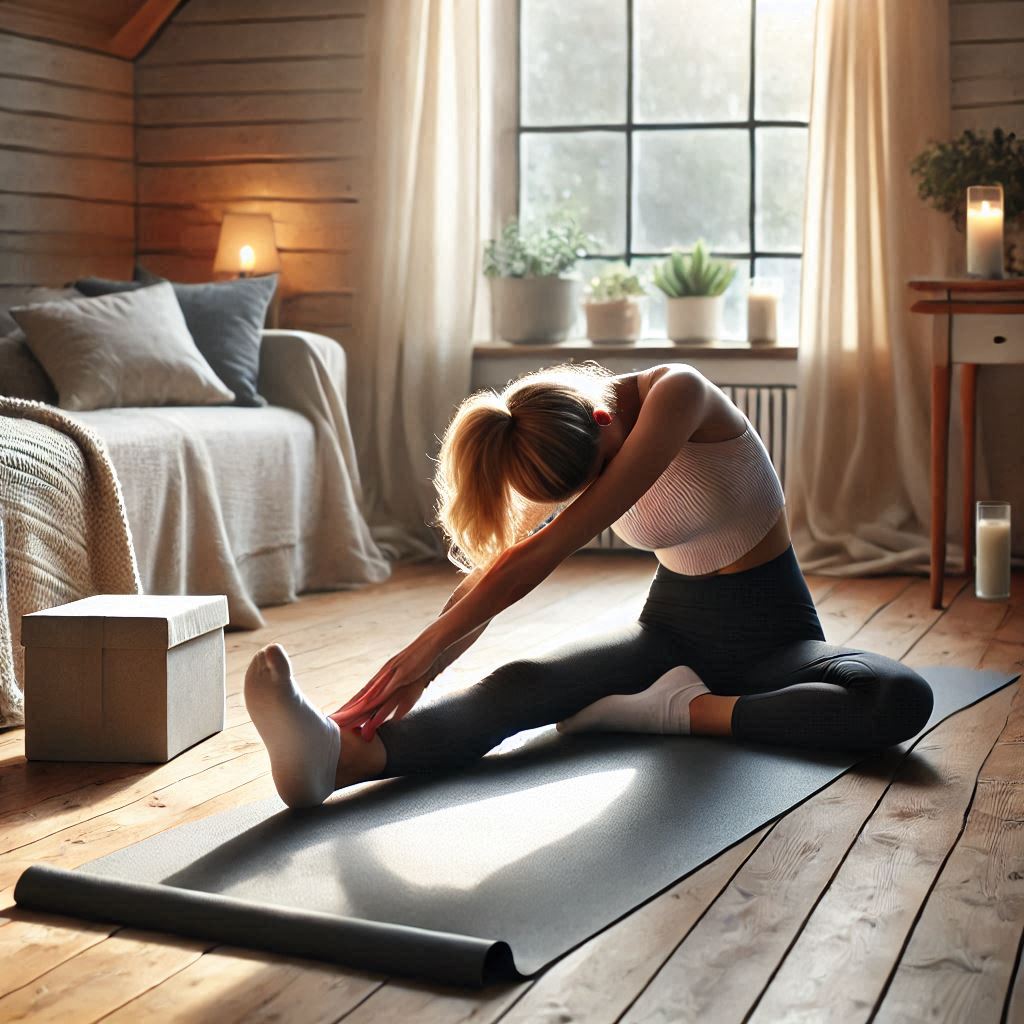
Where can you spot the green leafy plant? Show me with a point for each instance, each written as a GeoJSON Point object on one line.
{"type": "Point", "coordinates": [536, 251]}
{"type": "Point", "coordinates": [683, 274]}
{"type": "Point", "coordinates": [945, 169]}
{"type": "Point", "coordinates": [613, 283]}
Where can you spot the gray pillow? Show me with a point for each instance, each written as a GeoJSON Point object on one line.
{"type": "Point", "coordinates": [225, 318]}
{"type": "Point", "coordinates": [93, 287]}
{"type": "Point", "coordinates": [21, 376]}
{"type": "Point", "coordinates": [122, 349]}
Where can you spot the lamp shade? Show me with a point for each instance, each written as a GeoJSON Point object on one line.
{"type": "Point", "coordinates": [247, 244]}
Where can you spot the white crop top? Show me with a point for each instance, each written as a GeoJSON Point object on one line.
{"type": "Point", "coordinates": [712, 504]}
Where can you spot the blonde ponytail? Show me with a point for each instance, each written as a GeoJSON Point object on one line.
{"type": "Point", "coordinates": [508, 460]}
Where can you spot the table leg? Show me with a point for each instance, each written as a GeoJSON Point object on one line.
{"type": "Point", "coordinates": [940, 454]}
{"type": "Point", "coordinates": [968, 393]}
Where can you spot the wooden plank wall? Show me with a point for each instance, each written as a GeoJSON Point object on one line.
{"type": "Point", "coordinates": [255, 105]}
{"type": "Point", "coordinates": [987, 71]}
{"type": "Point", "coordinates": [67, 170]}
{"type": "Point", "coordinates": [987, 64]}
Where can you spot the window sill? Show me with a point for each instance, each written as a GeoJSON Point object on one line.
{"type": "Point", "coordinates": [647, 347]}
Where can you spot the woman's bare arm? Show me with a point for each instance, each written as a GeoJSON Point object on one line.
{"type": "Point", "coordinates": [672, 412]}
{"type": "Point", "coordinates": [459, 648]}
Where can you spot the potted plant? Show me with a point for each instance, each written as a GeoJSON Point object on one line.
{"type": "Point", "coordinates": [612, 304]}
{"type": "Point", "coordinates": [945, 170]}
{"type": "Point", "coordinates": [535, 293]}
{"type": "Point", "coordinates": [695, 285]}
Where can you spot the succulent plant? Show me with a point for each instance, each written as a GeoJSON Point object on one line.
{"type": "Point", "coordinates": [614, 282]}
{"type": "Point", "coordinates": [529, 251]}
{"type": "Point", "coordinates": [683, 274]}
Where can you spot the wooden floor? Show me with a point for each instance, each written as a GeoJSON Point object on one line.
{"type": "Point", "coordinates": [897, 893]}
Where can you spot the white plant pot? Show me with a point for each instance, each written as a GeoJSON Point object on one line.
{"type": "Point", "coordinates": [695, 317]}
{"type": "Point", "coordinates": [535, 308]}
{"type": "Point", "coordinates": [617, 320]}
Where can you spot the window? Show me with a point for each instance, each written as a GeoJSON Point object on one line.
{"type": "Point", "coordinates": [663, 121]}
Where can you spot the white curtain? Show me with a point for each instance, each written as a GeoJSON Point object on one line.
{"type": "Point", "coordinates": [860, 497]}
{"type": "Point", "coordinates": [426, 197]}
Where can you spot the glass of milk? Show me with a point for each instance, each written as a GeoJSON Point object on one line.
{"type": "Point", "coordinates": [992, 540]}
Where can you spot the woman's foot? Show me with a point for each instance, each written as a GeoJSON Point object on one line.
{"type": "Point", "coordinates": [664, 707]}
{"type": "Point", "coordinates": [303, 743]}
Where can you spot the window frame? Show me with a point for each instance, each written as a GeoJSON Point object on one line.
{"type": "Point", "coordinates": [629, 127]}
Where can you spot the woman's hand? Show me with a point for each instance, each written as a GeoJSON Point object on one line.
{"type": "Point", "coordinates": [397, 685]}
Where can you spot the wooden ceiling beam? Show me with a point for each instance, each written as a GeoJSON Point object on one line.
{"type": "Point", "coordinates": [132, 37]}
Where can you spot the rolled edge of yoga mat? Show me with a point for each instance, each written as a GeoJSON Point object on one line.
{"type": "Point", "coordinates": [351, 942]}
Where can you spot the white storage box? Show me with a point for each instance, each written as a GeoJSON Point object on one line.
{"type": "Point", "coordinates": [123, 677]}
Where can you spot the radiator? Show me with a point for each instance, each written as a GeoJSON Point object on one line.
{"type": "Point", "coordinates": [770, 408]}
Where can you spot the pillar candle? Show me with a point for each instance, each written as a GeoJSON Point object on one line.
{"type": "Point", "coordinates": [763, 311]}
{"type": "Point", "coordinates": [992, 572]}
{"type": "Point", "coordinates": [985, 231]}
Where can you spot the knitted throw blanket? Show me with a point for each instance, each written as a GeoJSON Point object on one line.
{"type": "Point", "coordinates": [63, 528]}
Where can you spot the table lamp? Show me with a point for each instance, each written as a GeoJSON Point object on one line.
{"type": "Point", "coordinates": [247, 246]}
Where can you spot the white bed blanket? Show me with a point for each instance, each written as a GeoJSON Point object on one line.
{"type": "Point", "coordinates": [258, 504]}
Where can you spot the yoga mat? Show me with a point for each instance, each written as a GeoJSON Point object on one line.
{"type": "Point", "coordinates": [486, 874]}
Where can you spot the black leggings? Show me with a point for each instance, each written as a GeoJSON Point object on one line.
{"type": "Point", "coordinates": [754, 633]}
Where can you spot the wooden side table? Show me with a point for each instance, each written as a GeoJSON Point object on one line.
{"type": "Point", "coordinates": [976, 322]}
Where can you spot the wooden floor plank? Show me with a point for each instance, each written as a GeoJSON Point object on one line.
{"type": "Point", "coordinates": [32, 944]}
{"type": "Point", "coordinates": [100, 979]}
{"type": "Point", "coordinates": [853, 602]}
{"type": "Point", "coordinates": [960, 961]}
{"type": "Point", "coordinates": [236, 986]}
{"type": "Point", "coordinates": [895, 630]}
{"type": "Point", "coordinates": [962, 635]}
{"type": "Point", "coordinates": [841, 961]}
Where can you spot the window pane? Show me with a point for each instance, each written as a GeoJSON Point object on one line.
{"type": "Point", "coordinates": [734, 318]}
{"type": "Point", "coordinates": [785, 37]}
{"type": "Point", "coordinates": [781, 166]}
{"type": "Point", "coordinates": [584, 172]}
{"type": "Point", "coordinates": [689, 185]}
{"type": "Point", "coordinates": [788, 271]}
{"type": "Point", "coordinates": [573, 56]}
{"type": "Point", "coordinates": [684, 70]}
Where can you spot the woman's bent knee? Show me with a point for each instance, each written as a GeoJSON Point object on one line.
{"type": "Point", "coordinates": [906, 705]}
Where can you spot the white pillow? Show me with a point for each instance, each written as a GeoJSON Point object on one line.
{"type": "Point", "coordinates": [129, 348]}
{"type": "Point", "coordinates": [30, 295]}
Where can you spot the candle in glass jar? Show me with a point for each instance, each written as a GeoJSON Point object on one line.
{"type": "Point", "coordinates": [985, 231]}
{"type": "Point", "coordinates": [763, 310]}
{"type": "Point", "coordinates": [992, 571]}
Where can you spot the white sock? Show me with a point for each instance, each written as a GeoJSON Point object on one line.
{"type": "Point", "coordinates": [302, 741]}
{"type": "Point", "coordinates": [664, 707]}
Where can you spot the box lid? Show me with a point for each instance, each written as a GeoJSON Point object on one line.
{"type": "Point", "coordinates": [125, 621]}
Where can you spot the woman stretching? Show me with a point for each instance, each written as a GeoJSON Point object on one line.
{"type": "Point", "coordinates": [728, 642]}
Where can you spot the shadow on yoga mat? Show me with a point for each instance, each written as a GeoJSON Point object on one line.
{"type": "Point", "coordinates": [465, 878]}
